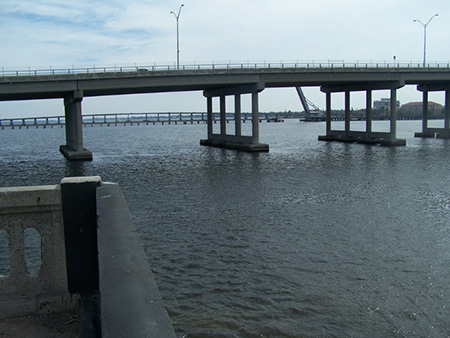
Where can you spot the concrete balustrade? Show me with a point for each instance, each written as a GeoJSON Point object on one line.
{"type": "Point", "coordinates": [89, 260]}
{"type": "Point", "coordinates": [21, 292]}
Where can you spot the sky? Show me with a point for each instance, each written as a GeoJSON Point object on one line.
{"type": "Point", "coordinates": [39, 34]}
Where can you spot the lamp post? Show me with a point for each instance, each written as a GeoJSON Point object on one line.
{"type": "Point", "coordinates": [425, 36]}
{"type": "Point", "coordinates": [177, 16]}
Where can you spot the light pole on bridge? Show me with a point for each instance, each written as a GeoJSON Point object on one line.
{"type": "Point", "coordinates": [177, 17]}
{"type": "Point", "coordinates": [425, 36]}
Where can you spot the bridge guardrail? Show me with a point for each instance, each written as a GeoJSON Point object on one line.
{"type": "Point", "coordinates": [224, 66]}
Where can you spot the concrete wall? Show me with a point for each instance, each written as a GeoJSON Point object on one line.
{"type": "Point", "coordinates": [36, 284]}
{"type": "Point", "coordinates": [131, 305]}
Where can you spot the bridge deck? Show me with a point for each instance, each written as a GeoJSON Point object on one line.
{"type": "Point", "coordinates": [113, 81]}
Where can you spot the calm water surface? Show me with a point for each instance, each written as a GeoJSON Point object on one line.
{"type": "Point", "coordinates": [313, 239]}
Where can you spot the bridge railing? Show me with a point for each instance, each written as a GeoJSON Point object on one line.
{"type": "Point", "coordinates": [223, 66]}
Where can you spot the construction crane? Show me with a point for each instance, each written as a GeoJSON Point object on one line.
{"type": "Point", "coordinates": [314, 114]}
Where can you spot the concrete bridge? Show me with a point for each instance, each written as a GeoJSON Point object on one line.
{"type": "Point", "coordinates": [219, 81]}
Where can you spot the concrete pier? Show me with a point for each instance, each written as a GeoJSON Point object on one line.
{"type": "Point", "coordinates": [427, 132]}
{"type": "Point", "coordinates": [368, 136]}
{"type": "Point", "coordinates": [73, 149]}
{"type": "Point", "coordinates": [236, 141]}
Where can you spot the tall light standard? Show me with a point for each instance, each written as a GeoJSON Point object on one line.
{"type": "Point", "coordinates": [177, 16]}
{"type": "Point", "coordinates": [425, 36]}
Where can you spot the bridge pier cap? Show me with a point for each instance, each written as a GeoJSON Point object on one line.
{"type": "Point", "coordinates": [433, 87]}
{"type": "Point", "coordinates": [235, 90]}
{"type": "Point", "coordinates": [75, 96]}
{"type": "Point", "coordinates": [354, 87]}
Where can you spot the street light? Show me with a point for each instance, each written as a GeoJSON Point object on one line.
{"type": "Point", "coordinates": [177, 16]}
{"type": "Point", "coordinates": [425, 36]}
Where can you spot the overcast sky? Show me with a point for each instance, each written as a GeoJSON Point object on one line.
{"type": "Point", "coordinates": [62, 34]}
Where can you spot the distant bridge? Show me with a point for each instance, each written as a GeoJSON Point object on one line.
{"type": "Point", "coordinates": [118, 119]}
{"type": "Point", "coordinates": [221, 80]}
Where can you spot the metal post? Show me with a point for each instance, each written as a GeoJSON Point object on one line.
{"type": "Point", "coordinates": [177, 17]}
{"type": "Point", "coordinates": [425, 37]}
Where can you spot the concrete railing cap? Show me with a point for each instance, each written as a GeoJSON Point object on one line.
{"type": "Point", "coordinates": [81, 179]}
{"type": "Point", "coordinates": [19, 197]}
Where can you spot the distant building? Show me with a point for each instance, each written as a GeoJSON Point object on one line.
{"type": "Point", "coordinates": [384, 104]}
{"type": "Point", "coordinates": [416, 107]}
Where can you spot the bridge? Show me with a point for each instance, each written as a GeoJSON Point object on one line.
{"type": "Point", "coordinates": [118, 119]}
{"type": "Point", "coordinates": [217, 81]}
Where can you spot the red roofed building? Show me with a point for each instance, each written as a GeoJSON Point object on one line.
{"type": "Point", "coordinates": [416, 107]}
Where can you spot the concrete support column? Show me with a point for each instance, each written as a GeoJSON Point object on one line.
{"type": "Point", "coordinates": [368, 112]}
{"type": "Point", "coordinates": [425, 112]}
{"type": "Point", "coordinates": [255, 118]}
{"type": "Point", "coordinates": [425, 131]}
{"type": "Point", "coordinates": [73, 150]}
{"type": "Point", "coordinates": [347, 112]}
{"type": "Point", "coordinates": [237, 115]}
{"type": "Point", "coordinates": [223, 116]}
{"type": "Point", "coordinates": [74, 132]}
{"type": "Point", "coordinates": [328, 113]}
{"type": "Point", "coordinates": [393, 113]}
{"type": "Point", "coordinates": [447, 110]}
{"type": "Point", "coordinates": [445, 132]}
{"type": "Point", "coordinates": [209, 107]}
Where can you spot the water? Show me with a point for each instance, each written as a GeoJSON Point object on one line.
{"type": "Point", "coordinates": [313, 239]}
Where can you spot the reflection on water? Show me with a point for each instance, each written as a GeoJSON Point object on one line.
{"type": "Point", "coordinates": [312, 239]}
